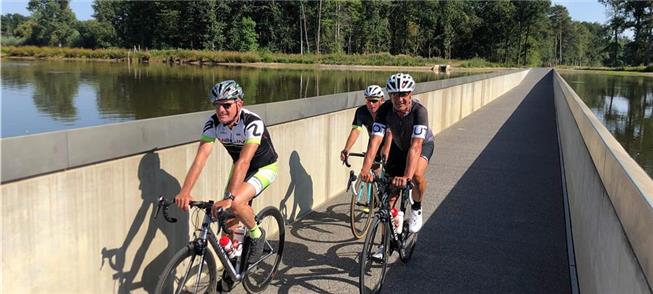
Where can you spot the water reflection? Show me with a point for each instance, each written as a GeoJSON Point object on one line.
{"type": "Point", "coordinates": [624, 104]}
{"type": "Point", "coordinates": [40, 96]}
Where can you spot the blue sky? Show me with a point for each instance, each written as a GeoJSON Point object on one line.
{"type": "Point", "coordinates": [580, 10]}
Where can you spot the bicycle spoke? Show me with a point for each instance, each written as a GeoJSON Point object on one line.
{"type": "Point", "coordinates": [183, 282]}
{"type": "Point", "coordinates": [199, 274]}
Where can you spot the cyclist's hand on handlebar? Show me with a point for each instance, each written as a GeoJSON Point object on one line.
{"type": "Point", "coordinates": [366, 176]}
{"type": "Point", "coordinates": [224, 204]}
{"type": "Point", "coordinates": [344, 154]}
{"type": "Point", "coordinates": [400, 182]}
{"type": "Point", "coordinates": [182, 201]}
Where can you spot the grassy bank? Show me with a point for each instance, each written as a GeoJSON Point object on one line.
{"type": "Point", "coordinates": [625, 70]}
{"type": "Point", "coordinates": [216, 57]}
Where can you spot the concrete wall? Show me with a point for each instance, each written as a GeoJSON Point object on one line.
{"type": "Point", "coordinates": [611, 202]}
{"type": "Point", "coordinates": [88, 228]}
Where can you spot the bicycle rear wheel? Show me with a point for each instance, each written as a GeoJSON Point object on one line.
{"type": "Point", "coordinates": [372, 270]}
{"type": "Point", "coordinates": [188, 272]}
{"type": "Point", "coordinates": [361, 207]}
{"type": "Point", "coordinates": [261, 273]}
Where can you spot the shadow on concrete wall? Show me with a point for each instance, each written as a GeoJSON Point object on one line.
{"type": "Point", "coordinates": [301, 186]}
{"type": "Point", "coordinates": [154, 182]}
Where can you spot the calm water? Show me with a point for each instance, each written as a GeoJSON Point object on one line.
{"type": "Point", "coordinates": [625, 106]}
{"type": "Point", "coordinates": [42, 96]}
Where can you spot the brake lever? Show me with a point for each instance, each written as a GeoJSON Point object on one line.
{"type": "Point", "coordinates": [346, 161]}
{"type": "Point", "coordinates": [352, 178]}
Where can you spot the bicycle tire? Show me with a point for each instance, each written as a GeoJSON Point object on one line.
{"type": "Point", "coordinates": [359, 220]}
{"type": "Point", "coordinates": [207, 286]}
{"type": "Point", "coordinates": [368, 263]}
{"type": "Point", "coordinates": [257, 278]}
{"type": "Point", "coordinates": [408, 239]}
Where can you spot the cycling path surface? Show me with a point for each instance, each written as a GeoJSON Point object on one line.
{"type": "Point", "coordinates": [493, 213]}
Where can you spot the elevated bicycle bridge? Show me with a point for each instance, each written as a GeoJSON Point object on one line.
{"type": "Point", "coordinates": [527, 193]}
{"type": "Point", "coordinates": [494, 218]}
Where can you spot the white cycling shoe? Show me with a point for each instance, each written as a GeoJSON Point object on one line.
{"type": "Point", "coordinates": [415, 221]}
{"type": "Point", "coordinates": [379, 253]}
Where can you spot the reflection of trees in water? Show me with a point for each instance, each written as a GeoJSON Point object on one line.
{"type": "Point", "coordinates": [145, 91]}
{"type": "Point", "coordinates": [17, 74]}
{"type": "Point", "coordinates": [54, 93]}
{"type": "Point", "coordinates": [625, 106]}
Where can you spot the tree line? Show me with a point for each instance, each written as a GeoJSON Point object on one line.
{"type": "Point", "coordinates": [506, 32]}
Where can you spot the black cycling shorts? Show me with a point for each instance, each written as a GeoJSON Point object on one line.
{"type": "Point", "coordinates": [396, 164]}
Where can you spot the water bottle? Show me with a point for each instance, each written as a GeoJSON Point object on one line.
{"type": "Point", "coordinates": [239, 236]}
{"type": "Point", "coordinates": [225, 243]}
{"type": "Point", "coordinates": [397, 220]}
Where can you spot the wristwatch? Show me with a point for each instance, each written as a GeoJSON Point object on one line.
{"type": "Point", "coordinates": [228, 195]}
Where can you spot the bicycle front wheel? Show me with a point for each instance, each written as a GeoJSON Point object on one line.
{"type": "Point", "coordinates": [373, 268]}
{"type": "Point", "coordinates": [188, 272]}
{"type": "Point", "coordinates": [261, 273]}
{"type": "Point", "coordinates": [361, 207]}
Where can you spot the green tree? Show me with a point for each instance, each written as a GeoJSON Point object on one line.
{"type": "Point", "coordinates": [10, 22]}
{"type": "Point", "coordinates": [617, 25]}
{"type": "Point", "coordinates": [561, 28]}
{"type": "Point", "coordinates": [243, 37]}
{"type": "Point", "coordinates": [54, 23]}
{"type": "Point", "coordinates": [94, 34]}
{"type": "Point", "coordinates": [373, 28]}
{"type": "Point", "coordinates": [639, 17]}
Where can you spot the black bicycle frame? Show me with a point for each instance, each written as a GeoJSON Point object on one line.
{"type": "Point", "coordinates": [207, 236]}
{"type": "Point", "coordinates": [383, 213]}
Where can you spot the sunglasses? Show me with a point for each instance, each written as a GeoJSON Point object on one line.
{"type": "Point", "coordinates": [399, 94]}
{"type": "Point", "coordinates": [374, 100]}
{"type": "Point", "coordinates": [226, 106]}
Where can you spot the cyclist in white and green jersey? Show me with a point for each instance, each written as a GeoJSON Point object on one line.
{"type": "Point", "coordinates": [248, 142]}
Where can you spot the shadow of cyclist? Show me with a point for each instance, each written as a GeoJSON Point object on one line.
{"type": "Point", "coordinates": [154, 182]}
{"type": "Point", "coordinates": [301, 186]}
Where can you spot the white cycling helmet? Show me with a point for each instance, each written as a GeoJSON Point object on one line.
{"type": "Point", "coordinates": [373, 91]}
{"type": "Point", "coordinates": [400, 82]}
{"type": "Point", "coordinates": [225, 90]}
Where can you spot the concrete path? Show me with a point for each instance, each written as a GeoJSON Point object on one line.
{"type": "Point", "coordinates": [494, 218]}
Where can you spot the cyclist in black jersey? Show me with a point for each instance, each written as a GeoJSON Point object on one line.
{"type": "Point", "coordinates": [412, 142]}
{"type": "Point", "coordinates": [248, 143]}
{"type": "Point", "coordinates": [364, 117]}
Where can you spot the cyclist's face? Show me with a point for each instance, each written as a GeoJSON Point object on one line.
{"type": "Point", "coordinates": [401, 101]}
{"type": "Point", "coordinates": [373, 104]}
{"type": "Point", "coordinates": [227, 110]}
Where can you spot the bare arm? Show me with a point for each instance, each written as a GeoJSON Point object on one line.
{"type": "Point", "coordinates": [375, 141]}
{"type": "Point", "coordinates": [353, 136]}
{"type": "Point", "coordinates": [203, 152]}
{"type": "Point", "coordinates": [387, 141]}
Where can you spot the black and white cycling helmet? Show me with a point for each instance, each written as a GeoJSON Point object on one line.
{"type": "Point", "coordinates": [226, 90]}
{"type": "Point", "coordinates": [373, 91]}
{"type": "Point", "coordinates": [400, 82]}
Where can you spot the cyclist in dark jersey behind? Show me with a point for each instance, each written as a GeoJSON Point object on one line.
{"type": "Point", "coordinates": [248, 143]}
{"type": "Point", "coordinates": [364, 117]}
{"type": "Point", "coordinates": [412, 142]}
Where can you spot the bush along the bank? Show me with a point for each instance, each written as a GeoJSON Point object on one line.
{"type": "Point", "coordinates": [180, 56]}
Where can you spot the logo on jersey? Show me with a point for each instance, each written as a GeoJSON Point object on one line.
{"type": "Point", "coordinates": [419, 131]}
{"type": "Point", "coordinates": [378, 129]}
{"type": "Point", "coordinates": [253, 128]}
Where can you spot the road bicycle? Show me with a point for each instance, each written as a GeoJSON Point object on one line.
{"type": "Point", "coordinates": [193, 268]}
{"type": "Point", "coordinates": [382, 237]}
{"type": "Point", "coordinates": [363, 199]}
